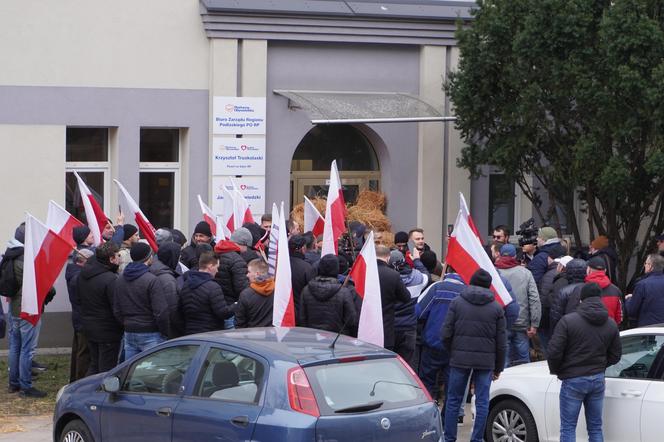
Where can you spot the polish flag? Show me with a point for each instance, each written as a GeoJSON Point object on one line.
{"type": "Point", "coordinates": [222, 228]}
{"type": "Point", "coordinates": [45, 255]}
{"type": "Point", "coordinates": [228, 209]}
{"type": "Point", "coordinates": [466, 254]}
{"type": "Point", "coordinates": [335, 214]}
{"type": "Point", "coordinates": [241, 211]}
{"type": "Point", "coordinates": [283, 313]}
{"type": "Point", "coordinates": [62, 222]}
{"type": "Point", "coordinates": [313, 221]}
{"type": "Point", "coordinates": [365, 276]}
{"type": "Point", "coordinates": [139, 217]}
{"type": "Point", "coordinates": [463, 208]}
{"type": "Point", "coordinates": [274, 241]}
{"type": "Point", "coordinates": [208, 216]}
{"type": "Point", "coordinates": [94, 214]}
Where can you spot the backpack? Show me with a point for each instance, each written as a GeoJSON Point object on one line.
{"type": "Point", "coordinates": [8, 284]}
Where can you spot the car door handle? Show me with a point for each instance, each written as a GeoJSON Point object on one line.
{"type": "Point", "coordinates": [164, 411]}
{"type": "Point", "coordinates": [631, 393]}
{"type": "Point", "coordinates": [240, 421]}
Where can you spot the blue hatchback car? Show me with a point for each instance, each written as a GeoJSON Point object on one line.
{"type": "Point", "coordinates": [262, 384]}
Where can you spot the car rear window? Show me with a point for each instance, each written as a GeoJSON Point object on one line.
{"type": "Point", "coordinates": [343, 386]}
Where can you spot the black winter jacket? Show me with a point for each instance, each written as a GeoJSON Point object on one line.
{"type": "Point", "coordinates": [327, 305]}
{"type": "Point", "coordinates": [545, 288]}
{"type": "Point", "coordinates": [168, 279]}
{"type": "Point", "coordinates": [71, 276]}
{"type": "Point", "coordinates": [566, 295]}
{"type": "Point", "coordinates": [254, 309]}
{"type": "Point", "coordinates": [585, 342]}
{"type": "Point", "coordinates": [202, 303]}
{"type": "Point", "coordinates": [232, 274]}
{"type": "Point", "coordinates": [139, 301]}
{"type": "Point", "coordinates": [301, 273]}
{"type": "Point", "coordinates": [188, 255]}
{"type": "Point", "coordinates": [392, 290]}
{"type": "Point", "coordinates": [96, 291]}
{"type": "Point", "coordinates": [249, 255]}
{"type": "Point", "coordinates": [474, 331]}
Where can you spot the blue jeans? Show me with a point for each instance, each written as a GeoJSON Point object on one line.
{"type": "Point", "coordinates": [432, 362]}
{"type": "Point", "coordinates": [23, 338]}
{"type": "Point", "coordinates": [544, 336]}
{"type": "Point", "coordinates": [229, 324]}
{"type": "Point", "coordinates": [518, 348]}
{"type": "Point", "coordinates": [134, 343]}
{"type": "Point", "coordinates": [455, 395]}
{"type": "Point", "coordinates": [586, 390]}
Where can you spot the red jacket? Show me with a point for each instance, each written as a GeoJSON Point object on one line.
{"type": "Point", "coordinates": [611, 295]}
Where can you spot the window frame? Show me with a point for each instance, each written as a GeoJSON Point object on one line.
{"type": "Point", "coordinates": [94, 166]}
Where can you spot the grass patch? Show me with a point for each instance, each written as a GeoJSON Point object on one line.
{"type": "Point", "coordinates": [49, 381]}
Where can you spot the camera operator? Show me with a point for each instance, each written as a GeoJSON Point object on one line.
{"type": "Point", "coordinates": [528, 241]}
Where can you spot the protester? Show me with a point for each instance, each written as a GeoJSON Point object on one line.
{"type": "Point", "coordinates": [139, 303]}
{"type": "Point", "coordinates": [526, 294]}
{"type": "Point", "coordinates": [129, 239]}
{"type": "Point", "coordinates": [547, 238]}
{"type": "Point", "coordinates": [501, 234]}
{"type": "Point", "coordinates": [566, 299]}
{"type": "Point", "coordinates": [80, 355]}
{"type": "Point", "coordinates": [599, 247]}
{"type": "Point", "coordinates": [162, 236]}
{"type": "Point", "coordinates": [474, 335]}
{"type": "Point", "coordinates": [545, 289]}
{"type": "Point", "coordinates": [392, 291]}
{"type": "Point", "coordinates": [266, 221]}
{"type": "Point", "coordinates": [611, 295]}
{"type": "Point", "coordinates": [202, 235]}
{"type": "Point", "coordinates": [326, 304]}
{"type": "Point", "coordinates": [255, 305]}
{"type": "Point", "coordinates": [245, 240]}
{"type": "Point", "coordinates": [301, 271]}
{"type": "Point", "coordinates": [83, 237]}
{"type": "Point", "coordinates": [433, 266]}
{"type": "Point", "coordinates": [311, 252]}
{"type": "Point", "coordinates": [583, 345]}
{"type": "Point", "coordinates": [165, 269]}
{"type": "Point", "coordinates": [416, 235]}
{"type": "Point", "coordinates": [646, 305]}
{"type": "Point", "coordinates": [232, 274]}
{"type": "Point", "coordinates": [201, 299]}
{"type": "Point", "coordinates": [96, 293]}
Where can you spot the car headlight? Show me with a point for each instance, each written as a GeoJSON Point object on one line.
{"type": "Point", "coordinates": [60, 391]}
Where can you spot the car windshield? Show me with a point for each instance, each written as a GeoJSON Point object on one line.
{"type": "Point", "coordinates": [364, 386]}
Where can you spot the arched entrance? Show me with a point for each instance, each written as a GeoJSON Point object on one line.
{"type": "Point", "coordinates": [356, 159]}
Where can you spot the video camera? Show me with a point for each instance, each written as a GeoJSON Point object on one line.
{"type": "Point", "coordinates": [528, 232]}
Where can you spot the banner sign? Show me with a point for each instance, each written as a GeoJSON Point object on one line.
{"type": "Point", "coordinates": [238, 115]}
{"type": "Point", "coordinates": [238, 156]}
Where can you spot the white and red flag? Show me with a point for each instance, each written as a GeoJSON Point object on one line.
{"type": "Point", "coordinates": [241, 211]}
{"type": "Point", "coordinates": [94, 214]}
{"type": "Point", "coordinates": [367, 285]}
{"type": "Point", "coordinates": [463, 208]}
{"type": "Point", "coordinates": [228, 209]}
{"type": "Point", "coordinates": [45, 255]}
{"type": "Point", "coordinates": [335, 214]}
{"type": "Point", "coordinates": [139, 217]}
{"type": "Point", "coordinates": [62, 222]}
{"type": "Point", "coordinates": [466, 254]}
{"type": "Point", "coordinates": [283, 313]}
{"type": "Point", "coordinates": [222, 228]}
{"type": "Point", "coordinates": [313, 220]}
{"type": "Point", "coordinates": [274, 241]}
{"type": "Point", "coordinates": [208, 216]}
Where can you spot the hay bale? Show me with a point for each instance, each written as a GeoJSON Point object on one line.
{"type": "Point", "coordinates": [374, 219]}
{"type": "Point", "coordinates": [297, 214]}
{"type": "Point", "coordinates": [371, 200]}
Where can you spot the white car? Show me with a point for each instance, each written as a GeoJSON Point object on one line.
{"type": "Point", "coordinates": [525, 406]}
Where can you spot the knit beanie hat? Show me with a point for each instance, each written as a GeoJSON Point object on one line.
{"type": "Point", "coordinates": [129, 231]}
{"type": "Point", "coordinates": [242, 236]}
{"type": "Point", "coordinates": [162, 236]}
{"type": "Point", "coordinates": [557, 251]}
{"type": "Point", "coordinates": [80, 233]}
{"type": "Point", "coordinates": [429, 259]}
{"type": "Point", "coordinates": [591, 289]}
{"type": "Point", "coordinates": [140, 252]}
{"type": "Point", "coordinates": [597, 263]}
{"type": "Point", "coordinates": [400, 237]}
{"type": "Point", "coordinates": [600, 242]}
{"type": "Point", "coordinates": [203, 228]}
{"type": "Point", "coordinates": [547, 233]}
{"type": "Point", "coordinates": [508, 250]}
{"type": "Point", "coordinates": [481, 278]}
{"type": "Point", "coordinates": [396, 257]}
{"type": "Point", "coordinates": [328, 266]}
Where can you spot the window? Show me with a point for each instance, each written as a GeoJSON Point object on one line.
{"type": "Point", "coordinates": [86, 152]}
{"type": "Point", "coordinates": [159, 176]}
{"type": "Point", "coordinates": [230, 376]}
{"type": "Point", "coordinates": [642, 358]}
{"type": "Point", "coordinates": [501, 201]}
{"type": "Point", "coordinates": [161, 372]}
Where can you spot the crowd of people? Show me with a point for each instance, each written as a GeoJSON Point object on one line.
{"type": "Point", "coordinates": [125, 299]}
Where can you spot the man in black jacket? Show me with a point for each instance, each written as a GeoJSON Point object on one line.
{"type": "Point", "coordinates": [325, 303]}
{"type": "Point", "coordinates": [96, 291]}
{"type": "Point", "coordinates": [392, 290]}
{"type": "Point", "coordinates": [583, 344]}
{"type": "Point", "coordinates": [255, 306]}
{"type": "Point", "coordinates": [301, 271]}
{"type": "Point", "coordinates": [201, 299]}
{"type": "Point", "coordinates": [202, 235]}
{"type": "Point", "coordinates": [232, 274]}
{"type": "Point", "coordinates": [79, 361]}
{"type": "Point", "coordinates": [474, 335]}
{"type": "Point", "coordinates": [140, 304]}
{"type": "Point", "coordinates": [165, 269]}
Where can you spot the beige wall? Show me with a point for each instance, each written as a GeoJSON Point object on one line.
{"type": "Point", "coordinates": [41, 152]}
{"type": "Point", "coordinates": [123, 43]}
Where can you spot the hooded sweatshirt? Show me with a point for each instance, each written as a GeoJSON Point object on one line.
{"type": "Point", "coordinates": [611, 295]}
{"type": "Point", "coordinates": [202, 304]}
{"type": "Point", "coordinates": [327, 305]}
{"type": "Point", "coordinates": [585, 342]}
{"type": "Point", "coordinates": [254, 307]}
{"type": "Point", "coordinates": [96, 292]}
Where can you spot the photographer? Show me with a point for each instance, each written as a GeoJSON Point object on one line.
{"type": "Point", "coordinates": [528, 241]}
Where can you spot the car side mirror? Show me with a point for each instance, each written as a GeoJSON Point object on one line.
{"type": "Point", "coordinates": [111, 384]}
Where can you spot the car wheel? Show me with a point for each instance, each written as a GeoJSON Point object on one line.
{"type": "Point", "coordinates": [76, 431]}
{"type": "Point", "coordinates": [511, 421]}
